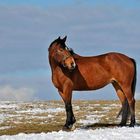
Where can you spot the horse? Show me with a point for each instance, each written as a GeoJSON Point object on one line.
{"type": "Point", "coordinates": [72, 72]}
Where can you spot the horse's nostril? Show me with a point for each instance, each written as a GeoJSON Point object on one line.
{"type": "Point", "coordinates": [73, 65]}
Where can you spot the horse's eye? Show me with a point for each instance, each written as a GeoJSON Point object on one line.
{"type": "Point", "coordinates": [61, 50]}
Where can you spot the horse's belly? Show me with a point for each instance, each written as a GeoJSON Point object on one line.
{"type": "Point", "coordinates": [91, 77]}
{"type": "Point", "coordinates": [84, 88]}
{"type": "Point", "coordinates": [90, 85]}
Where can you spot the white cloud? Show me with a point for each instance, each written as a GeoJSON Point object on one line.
{"type": "Point", "coordinates": [9, 93]}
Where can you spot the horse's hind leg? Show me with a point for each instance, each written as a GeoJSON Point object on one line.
{"type": "Point", "coordinates": [131, 101]}
{"type": "Point", "coordinates": [125, 107]}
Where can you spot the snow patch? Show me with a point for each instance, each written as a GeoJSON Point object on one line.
{"type": "Point", "coordinates": [124, 133]}
{"type": "Point", "coordinates": [55, 110]}
{"type": "Point", "coordinates": [5, 127]}
{"type": "Point", "coordinates": [90, 119]}
{"type": "Point", "coordinates": [8, 106]}
{"type": "Point", "coordinates": [39, 111]}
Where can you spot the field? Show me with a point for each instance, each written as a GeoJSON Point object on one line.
{"type": "Point", "coordinates": [49, 117]}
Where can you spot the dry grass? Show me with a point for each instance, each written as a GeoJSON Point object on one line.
{"type": "Point", "coordinates": [16, 122]}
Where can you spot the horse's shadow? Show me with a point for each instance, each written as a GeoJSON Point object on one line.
{"type": "Point", "coordinates": [103, 125]}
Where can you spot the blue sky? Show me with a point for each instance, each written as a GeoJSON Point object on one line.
{"type": "Point", "coordinates": [48, 3]}
{"type": "Point", "coordinates": [93, 27]}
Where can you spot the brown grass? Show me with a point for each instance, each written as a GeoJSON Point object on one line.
{"type": "Point", "coordinates": [28, 124]}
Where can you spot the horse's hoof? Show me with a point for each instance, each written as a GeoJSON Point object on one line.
{"type": "Point", "coordinates": [68, 128]}
{"type": "Point", "coordinates": [65, 128]}
{"type": "Point", "coordinates": [132, 125]}
{"type": "Point", "coordinates": [72, 127]}
{"type": "Point", "coordinates": [122, 124]}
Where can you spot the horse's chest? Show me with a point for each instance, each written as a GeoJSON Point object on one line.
{"type": "Point", "coordinates": [58, 80]}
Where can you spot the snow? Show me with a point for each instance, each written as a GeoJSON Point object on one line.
{"type": "Point", "coordinates": [8, 106]}
{"type": "Point", "coordinates": [46, 113]}
{"type": "Point", "coordinates": [38, 110]}
{"type": "Point", "coordinates": [5, 127]}
{"type": "Point", "coordinates": [30, 110]}
{"type": "Point", "coordinates": [55, 110]}
{"type": "Point", "coordinates": [124, 133]}
{"type": "Point", "coordinates": [90, 119]}
{"type": "Point", "coordinates": [2, 117]}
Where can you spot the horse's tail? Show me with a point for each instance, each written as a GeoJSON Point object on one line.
{"type": "Point", "coordinates": [125, 111]}
{"type": "Point", "coordinates": [135, 77]}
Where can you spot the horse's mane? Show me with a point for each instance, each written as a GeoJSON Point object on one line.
{"type": "Point", "coordinates": [55, 41]}
{"type": "Point", "coordinates": [71, 51]}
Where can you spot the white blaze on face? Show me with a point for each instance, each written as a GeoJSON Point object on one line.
{"type": "Point", "coordinates": [74, 64]}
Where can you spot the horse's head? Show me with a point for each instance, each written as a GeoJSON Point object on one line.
{"type": "Point", "coordinates": [62, 54]}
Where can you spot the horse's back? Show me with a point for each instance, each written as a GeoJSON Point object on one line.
{"type": "Point", "coordinates": [119, 61]}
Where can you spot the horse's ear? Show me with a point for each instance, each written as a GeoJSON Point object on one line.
{"type": "Point", "coordinates": [64, 39]}
{"type": "Point", "coordinates": [58, 38]}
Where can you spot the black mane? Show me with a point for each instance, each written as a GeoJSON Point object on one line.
{"type": "Point", "coordinates": [71, 51]}
{"type": "Point", "coordinates": [58, 41]}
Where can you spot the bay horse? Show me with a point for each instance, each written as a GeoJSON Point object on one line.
{"type": "Point", "coordinates": [71, 71]}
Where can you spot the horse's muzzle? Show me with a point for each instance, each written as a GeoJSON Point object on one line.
{"type": "Point", "coordinates": [73, 66]}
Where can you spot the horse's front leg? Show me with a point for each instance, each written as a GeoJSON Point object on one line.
{"type": "Point", "coordinates": [70, 119]}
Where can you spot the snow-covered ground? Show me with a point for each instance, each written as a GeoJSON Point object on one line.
{"type": "Point", "coordinates": [96, 120]}
{"type": "Point", "coordinates": [124, 133]}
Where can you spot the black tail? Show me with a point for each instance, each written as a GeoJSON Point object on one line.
{"type": "Point", "coordinates": [135, 77]}
{"type": "Point", "coordinates": [125, 111]}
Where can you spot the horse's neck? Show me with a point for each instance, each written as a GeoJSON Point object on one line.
{"type": "Point", "coordinates": [76, 56]}
{"type": "Point", "coordinates": [53, 64]}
